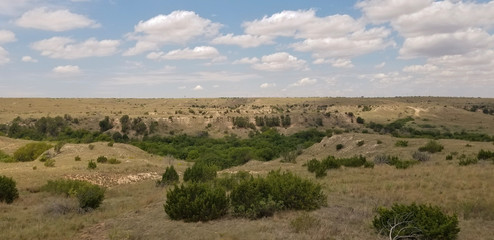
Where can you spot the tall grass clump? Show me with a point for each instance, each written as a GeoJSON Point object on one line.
{"type": "Point", "coordinates": [89, 196]}
{"type": "Point", "coordinates": [416, 222]}
{"type": "Point", "coordinates": [31, 151]}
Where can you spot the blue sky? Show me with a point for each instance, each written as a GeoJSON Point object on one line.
{"type": "Point", "coordinates": [156, 49]}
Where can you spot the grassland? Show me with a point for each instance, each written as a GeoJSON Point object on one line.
{"type": "Point", "coordinates": [133, 205]}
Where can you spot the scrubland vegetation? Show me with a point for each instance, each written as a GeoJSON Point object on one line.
{"type": "Point", "coordinates": [250, 169]}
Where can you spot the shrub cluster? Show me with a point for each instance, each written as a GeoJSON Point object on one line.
{"type": "Point", "coordinates": [432, 147]}
{"type": "Point", "coordinates": [91, 165]}
{"type": "Point", "coordinates": [416, 222]}
{"type": "Point", "coordinates": [261, 197]}
{"type": "Point", "coordinates": [394, 161]}
{"type": "Point", "coordinates": [31, 151]}
{"type": "Point", "coordinates": [320, 167]}
{"type": "Point", "coordinates": [467, 161]}
{"type": "Point", "coordinates": [8, 189]}
{"type": "Point", "coordinates": [401, 143]}
{"type": "Point", "coordinates": [90, 196]}
{"type": "Point", "coordinates": [196, 202]}
{"type": "Point", "coordinates": [484, 155]}
{"type": "Point", "coordinates": [169, 177]}
{"type": "Point", "coordinates": [5, 157]}
{"type": "Point", "coordinates": [200, 172]}
{"type": "Point", "coordinates": [421, 156]}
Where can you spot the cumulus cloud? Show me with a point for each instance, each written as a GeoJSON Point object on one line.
{"type": "Point", "coordinates": [337, 63]}
{"type": "Point", "coordinates": [246, 60]}
{"type": "Point", "coordinates": [386, 78]}
{"type": "Point", "coordinates": [7, 36]}
{"type": "Point", "coordinates": [54, 20]}
{"type": "Point", "coordinates": [67, 69]}
{"type": "Point", "coordinates": [4, 56]}
{"type": "Point", "coordinates": [68, 48]}
{"type": "Point", "coordinates": [267, 85]}
{"type": "Point", "coordinates": [279, 62]}
{"type": "Point", "coordinates": [380, 65]}
{"type": "Point", "coordinates": [198, 88]}
{"type": "Point", "coordinates": [442, 44]}
{"type": "Point", "coordinates": [177, 27]}
{"type": "Point", "coordinates": [29, 59]}
{"type": "Point", "coordinates": [9, 7]}
{"type": "Point", "coordinates": [244, 41]}
{"type": "Point", "coordinates": [201, 52]}
{"type": "Point", "coordinates": [304, 82]}
{"type": "Point", "coordinates": [379, 11]}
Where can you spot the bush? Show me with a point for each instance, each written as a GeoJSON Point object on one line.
{"type": "Point", "coordinates": [58, 147]}
{"type": "Point", "coordinates": [360, 120]}
{"type": "Point", "coordinates": [432, 147]}
{"type": "Point", "coordinates": [91, 165]}
{"type": "Point", "coordinates": [102, 159]}
{"type": "Point", "coordinates": [449, 157]}
{"type": "Point", "coordinates": [484, 155]}
{"type": "Point", "coordinates": [8, 190]}
{"type": "Point", "coordinates": [352, 162]}
{"type": "Point", "coordinates": [196, 202]}
{"type": "Point", "coordinates": [89, 196]}
{"type": "Point", "coordinates": [200, 172]}
{"type": "Point", "coordinates": [49, 162]}
{"type": "Point", "coordinates": [5, 157]}
{"type": "Point", "coordinates": [114, 161]}
{"type": "Point", "coordinates": [339, 146]}
{"type": "Point", "coordinates": [261, 197]}
{"type": "Point", "coordinates": [110, 143]}
{"type": "Point", "coordinates": [401, 143]}
{"type": "Point", "coordinates": [468, 161]}
{"type": "Point", "coordinates": [169, 177]}
{"type": "Point", "coordinates": [313, 165]}
{"type": "Point", "coordinates": [330, 163]}
{"type": "Point", "coordinates": [77, 158]}
{"type": "Point", "coordinates": [394, 161]}
{"type": "Point", "coordinates": [416, 222]}
{"type": "Point", "coordinates": [421, 156]}
{"type": "Point", "coordinates": [30, 151]}
{"type": "Point", "coordinates": [360, 143]}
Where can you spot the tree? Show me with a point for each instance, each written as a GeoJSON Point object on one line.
{"type": "Point", "coordinates": [105, 124]}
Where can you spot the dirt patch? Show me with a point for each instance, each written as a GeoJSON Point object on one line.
{"type": "Point", "coordinates": [109, 180]}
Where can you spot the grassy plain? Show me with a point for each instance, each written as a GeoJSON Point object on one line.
{"type": "Point", "coordinates": [133, 206]}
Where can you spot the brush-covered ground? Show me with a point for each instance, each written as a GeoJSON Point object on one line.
{"type": "Point", "coordinates": [133, 205]}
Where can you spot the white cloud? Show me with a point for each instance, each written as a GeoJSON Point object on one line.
{"type": "Point", "coordinates": [279, 62]}
{"type": "Point", "coordinates": [29, 59]}
{"type": "Point", "coordinates": [201, 52]}
{"type": "Point", "coordinates": [445, 17]}
{"type": "Point", "coordinates": [421, 69]}
{"type": "Point", "coordinates": [379, 11]}
{"type": "Point", "coordinates": [54, 20]}
{"type": "Point", "coordinates": [12, 7]}
{"type": "Point", "coordinates": [67, 69]}
{"type": "Point", "coordinates": [441, 44]}
{"type": "Point", "coordinates": [337, 63]}
{"type": "Point", "coordinates": [177, 27]}
{"type": "Point", "coordinates": [387, 78]}
{"type": "Point", "coordinates": [7, 36]}
{"type": "Point", "coordinates": [304, 82]}
{"type": "Point", "coordinates": [4, 56]}
{"type": "Point", "coordinates": [267, 85]}
{"type": "Point", "coordinates": [246, 60]}
{"type": "Point", "coordinates": [198, 88]}
{"type": "Point", "coordinates": [358, 43]}
{"type": "Point", "coordinates": [380, 65]}
{"type": "Point", "coordinates": [67, 48]}
{"type": "Point", "coordinates": [244, 41]}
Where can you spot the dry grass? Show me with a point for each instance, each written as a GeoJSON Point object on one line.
{"type": "Point", "coordinates": [133, 206]}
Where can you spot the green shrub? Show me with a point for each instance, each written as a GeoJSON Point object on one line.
{"type": "Point", "coordinates": [449, 157]}
{"type": "Point", "coordinates": [77, 158]}
{"type": "Point", "coordinates": [45, 157]}
{"type": "Point", "coordinates": [352, 162]}
{"type": "Point", "coordinates": [5, 157]}
{"type": "Point", "coordinates": [170, 176]}
{"type": "Point", "coordinates": [339, 146]}
{"type": "Point", "coordinates": [200, 172]}
{"type": "Point", "coordinates": [89, 196]}
{"type": "Point", "coordinates": [58, 147]}
{"type": "Point", "coordinates": [432, 147]}
{"type": "Point", "coordinates": [360, 120]}
{"type": "Point", "coordinates": [110, 143]}
{"type": "Point", "coordinates": [261, 197]}
{"type": "Point", "coordinates": [330, 163]}
{"type": "Point", "coordinates": [313, 165]}
{"type": "Point", "coordinates": [401, 143]}
{"type": "Point", "coordinates": [30, 151]}
{"type": "Point", "coordinates": [196, 202]}
{"type": "Point", "coordinates": [416, 222]}
{"type": "Point", "coordinates": [468, 161]}
{"type": "Point", "coordinates": [50, 162]}
{"type": "Point", "coordinates": [102, 159]}
{"type": "Point", "coordinates": [394, 161]}
{"type": "Point", "coordinates": [368, 164]}
{"type": "Point", "coordinates": [91, 165]}
{"type": "Point", "coordinates": [8, 190]}
{"type": "Point", "coordinates": [484, 155]}
{"type": "Point", "coordinates": [360, 143]}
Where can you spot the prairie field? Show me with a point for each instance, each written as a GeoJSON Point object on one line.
{"type": "Point", "coordinates": [133, 205]}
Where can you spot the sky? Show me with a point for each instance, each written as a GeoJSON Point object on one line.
{"type": "Point", "coordinates": [225, 48]}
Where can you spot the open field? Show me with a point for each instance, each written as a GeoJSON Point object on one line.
{"type": "Point", "coordinates": [133, 205]}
